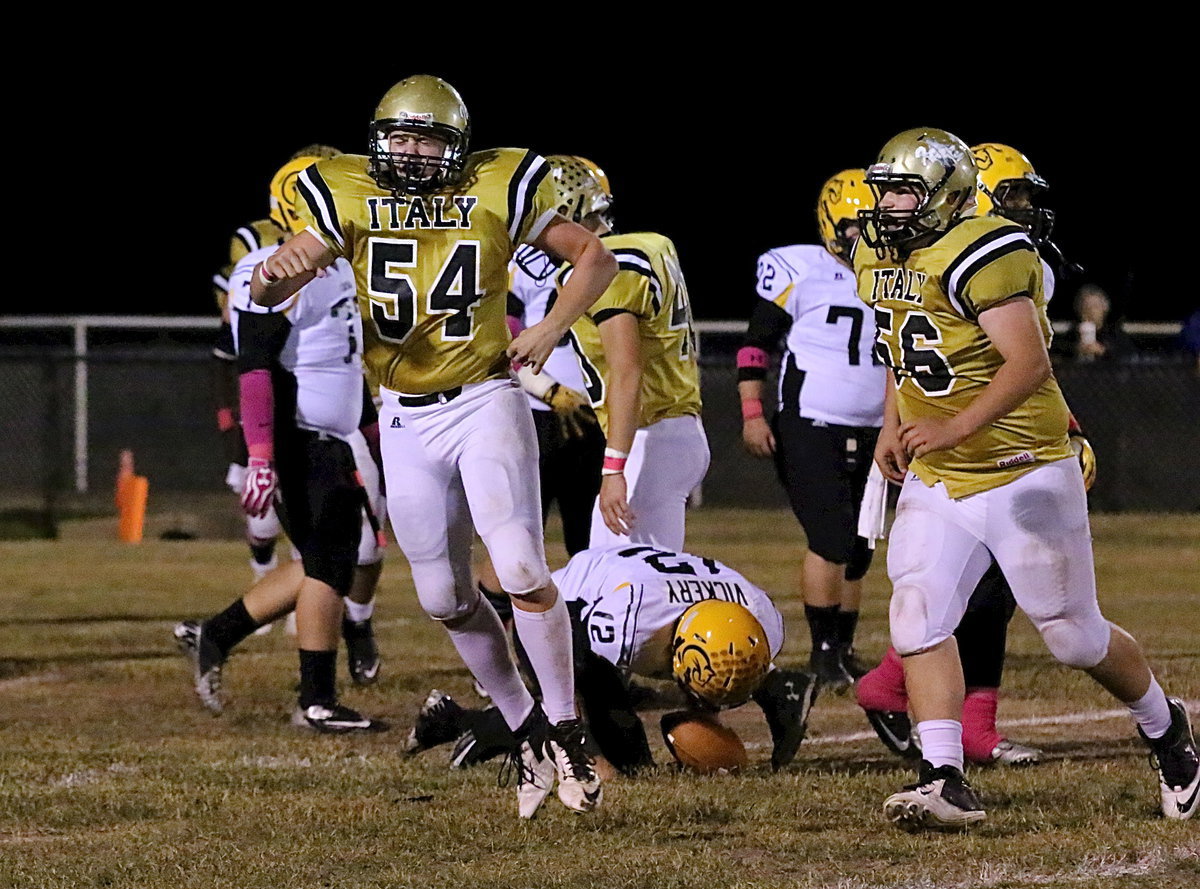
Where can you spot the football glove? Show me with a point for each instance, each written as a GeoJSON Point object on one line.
{"type": "Point", "coordinates": [572, 408]}
{"type": "Point", "coordinates": [235, 478]}
{"type": "Point", "coordinates": [258, 491]}
{"type": "Point", "coordinates": [1087, 459]}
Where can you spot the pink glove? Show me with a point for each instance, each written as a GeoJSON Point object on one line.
{"type": "Point", "coordinates": [259, 488]}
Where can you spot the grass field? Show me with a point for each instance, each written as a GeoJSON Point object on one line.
{"type": "Point", "coordinates": [112, 775]}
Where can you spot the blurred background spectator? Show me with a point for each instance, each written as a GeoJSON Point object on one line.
{"type": "Point", "coordinates": [1098, 335]}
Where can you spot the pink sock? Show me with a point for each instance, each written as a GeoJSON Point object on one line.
{"type": "Point", "coordinates": [980, 736]}
{"type": "Point", "coordinates": [883, 687]}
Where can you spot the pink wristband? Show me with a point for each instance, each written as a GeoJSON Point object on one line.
{"type": "Point", "coordinates": [752, 409]}
{"type": "Point", "coordinates": [752, 356]}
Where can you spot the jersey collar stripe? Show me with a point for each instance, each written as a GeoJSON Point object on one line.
{"type": "Point", "coordinates": [522, 188]}
{"type": "Point", "coordinates": [249, 239]}
{"type": "Point", "coordinates": [980, 259]}
{"type": "Point", "coordinates": [320, 199]}
{"type": "Point", "coordinates": [978, 249]}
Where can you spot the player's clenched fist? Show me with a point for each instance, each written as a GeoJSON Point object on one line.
{"type": "Point", "coordinates": [258, 490]}
{"type": "Point", "coordinates": [533, 345]}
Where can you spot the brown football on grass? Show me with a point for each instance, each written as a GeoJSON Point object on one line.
{"type": "Point", "coordinates": [699, 742]}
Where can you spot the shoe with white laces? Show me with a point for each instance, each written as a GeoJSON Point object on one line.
{"type": "Point", "coordinates": [940, 800]}
{"type": "Point", "coordinates": [439, 721]}
{"type": "Point", "coordinates": [578, 784]}
{"type": "Point", "coordinates": [207, 661]}
{"type": "Point", "coordinates": [334, 719]}
{"type": "Point", "coordinates": [1175, 757]}
{"type": "Point", "coordinates": [1010, 753]}
{"type": "Point", "coordinates": [532, 763]}
{"type": "Point", "coordinates": [362, 654]}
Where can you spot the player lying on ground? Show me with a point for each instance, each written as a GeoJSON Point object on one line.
{"type": "Point", "coordinates": [975, 428]}
{"type": "Point", "coordinates": [651, 612]}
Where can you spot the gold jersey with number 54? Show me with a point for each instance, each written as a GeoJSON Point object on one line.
{"type": "Point", "coordinates": [927, 309]}
{"type": "Point", "coordinates": [431, 269]}
{"type": "Point", "coordinates": [650, 286]}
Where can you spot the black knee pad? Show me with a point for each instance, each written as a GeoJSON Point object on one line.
{"type": "Point", "coordinates": [860, 559]}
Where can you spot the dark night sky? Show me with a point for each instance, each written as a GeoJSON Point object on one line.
{"type": "Point", "coordinates": [726, 164]}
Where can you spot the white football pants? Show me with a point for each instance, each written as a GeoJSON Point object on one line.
{"type": "Point", "coordinates": [668, 460]}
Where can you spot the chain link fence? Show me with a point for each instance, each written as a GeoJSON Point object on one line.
{"type": "Point", "coordinates": [70, 402]}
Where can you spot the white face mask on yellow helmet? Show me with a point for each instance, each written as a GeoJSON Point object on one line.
{"type": "Point", "coordinates": [283, 185]}
{"type": "Point", "coordinates": [720, 654]}
{"type": "Point", "coordinates": [938, 168]}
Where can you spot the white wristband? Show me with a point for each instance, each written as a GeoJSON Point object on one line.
{"type": "Point", "coordinates": [536, 385]}
{"type": "Point", "coordinates": [613, 452]}
{"type": "Point", "coordinates": [263, 276]}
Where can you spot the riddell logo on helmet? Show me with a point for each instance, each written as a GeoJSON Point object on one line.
{"type": "Point", "coordinates": [416, 116]}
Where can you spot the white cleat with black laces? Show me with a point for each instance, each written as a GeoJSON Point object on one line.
{"type": "Point", "coordinates": [578, 784]}
{"type": "Point", "coordinates": [940, 800]}
{"type": "Point", "coordinates": [1175, 757]}
{"type": "Point", "coordinates": [533, 766]}
{"type": "Point", "coordinates": [206, 660]}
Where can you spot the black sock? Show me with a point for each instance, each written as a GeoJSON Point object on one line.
{"type": "Point", "coordinates": [500, 601]}
{"type": "Point", "coordinates": [318, 671]}
{"type": "Point", "coordinates": [847, 623]}
{"type": "Point", "coordinates": [823, 625]}
{"type": "Point", "coordinates": [230, 627]}
{"type": "Point", "coordinates": [262, 552]}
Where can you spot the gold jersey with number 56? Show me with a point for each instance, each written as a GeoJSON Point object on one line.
{"type": "Point", "coordinates": [650, 286]}
{"type": "Point", "coordinates": [431, 269]}
{"type": "Point", "coordinates": [927, 309]}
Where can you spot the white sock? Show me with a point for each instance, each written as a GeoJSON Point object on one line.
{"type": "Point", "coordinates": [359, 612]}
{"type": "Point", "coordinates": [941, 742]}
{"type": "Point", "coordinates": [483, 646]}
{"type": "Point", "coordinates": [1151, 711]}
{"type": "Point", "coordinates": [546, 636]}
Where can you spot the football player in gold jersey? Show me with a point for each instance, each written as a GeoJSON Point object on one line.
{"type": "Point", "coordinates": [637, 349]}
{"type": "Point", "coordinates": [429, 229]}
{"type": "Point", "coordinates": [975, 428]}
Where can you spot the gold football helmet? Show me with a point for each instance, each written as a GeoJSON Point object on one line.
{"type": "Point", "coordinates": [598, 173]}
{"type": "Point", "coordinates": [1010, 187]}
{"type": "Point", "coordinates": [283, 185]}
{"type": "Point", "coordinates": [424, 104]}
{"type": "Point", "coordinates": [939, 168]}
{"type": "Point", "coordinates": [837, 210]}
{"type": "Point", "coordinates": [580, 192]}
{"type": "Point", "coordinates": [720, 653]}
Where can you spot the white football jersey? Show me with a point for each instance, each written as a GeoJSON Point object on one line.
{"type": "Point", "coordinates": [534, 293]}
{"type": "Point", "coordinates": [1047, 281]}
{"type": "Point", "coordinates": [324, 346]}
{"type": "Point", "coordinates": [632, 592]}
{"type": "Point", "coordinates": [829, 370]}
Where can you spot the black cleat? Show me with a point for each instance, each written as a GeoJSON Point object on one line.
{"type": "Point", "coordinates": [1174, 755]}
{"type": "Point", "coordinates": [439, 721]}
{"type": "Point", "coordinates": [826, 663]}
{"type": "Point", "coordinates": [852, 664]}
{"type": "Point", "coordinates": [207, 661]}
{"type": "Point", "coordinates": [786, 698]}
{"type": "Point", "coordinates": [895, 731]}
{"type": "Point", "coordinates": [940, 800]}
{"type": "Point", "coordinates": [362, 655]}
{"type": "Point", "coordinates": [335, 719]}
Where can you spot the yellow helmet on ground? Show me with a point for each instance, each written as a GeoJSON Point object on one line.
{"type": "Point", "coordinates": [1010, 187]}
{"type": "Point", "coordinates": [940, 169]}
{"type": "Point", "coordinates": [842, 197]}
{"type": "Point", "coordinates": [720, 653]}
{"type": "Point", "coordinates": [283, 185]}
{"type": "Point", "coordinates": [579, 190]}
{"type": "Point", "coordinates": [424, 104]}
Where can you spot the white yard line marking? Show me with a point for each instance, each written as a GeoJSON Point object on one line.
{"type": "Point", "coordinates": [1078, 718]}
